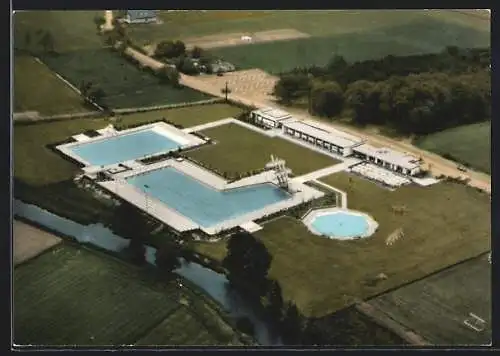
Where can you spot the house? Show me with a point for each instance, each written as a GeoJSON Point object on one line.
{"type": "Point", "coordinates": [269, 117]}
{"type": "Point", "coordinates": [389, 159]}
{"type": "Point", "coordinates": [140, 16]}
{"type": "Point", "coordinates": [328, 139]}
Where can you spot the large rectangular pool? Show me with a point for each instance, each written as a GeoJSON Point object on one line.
{"type": "Point", "coordinates": [122, 148]}
{"type": "Point", "coordinates": [205, 205]}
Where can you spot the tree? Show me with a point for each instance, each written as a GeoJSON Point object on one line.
{"type": "Point", "coordinates": [275, 300]}
{"type": "Point", "coordinates": [130, 223]}
{"type": "Point", "coordinates": [47, 42]}
{"type": "Point", "coordinates": [27, 40]}
{"type": "Point", "coordinates": [336, 64]}
{"type": "Point", "coordinates": [291, 87]}
{"type": "Point", "coordinates": [247, 261]}
{"type": "Point", "coordinates": [327, 99]}
{"type": "Point", "coordinates": [170, 75]}
{"type": "Point", "coordinates": [99, 21]}
{"type": "Point", "coordinates": [363, 99]}
{"type": "Point", "coordinates": [168, 257]}
{"type": "Point", "coordinates": [197, 52]}
{"type": "Point", "coordinates": [188, 67]}
{"type": "Point", "coordinates": [170, 49]}
{"type": "Point", "coordinates": [292, 324]}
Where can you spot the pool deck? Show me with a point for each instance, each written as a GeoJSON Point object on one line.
{"type": "Point", "coordinates": [185, 140]}
{"type": "Point", "coordinates": [308, 219]}
{"type": "Point", "coordinates": [169, 216]}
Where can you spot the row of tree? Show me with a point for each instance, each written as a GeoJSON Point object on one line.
{"type": "Point", "coordinates": [413, 104]}
{"type": "Point", "coordinates": [452, 60]}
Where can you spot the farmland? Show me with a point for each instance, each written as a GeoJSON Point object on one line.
{"type": "Point", "coordinates": [439, 222]}
{"type": "Point", "coordinates": [356, 35]}
{"type": "Point", "coordinates": [72, 296]}
{"type": "Point", "coordinates": [239, 150]}
{"type": "Point", "coordinates": [436, 306]}
{"type": "Point", "coordinates": [179, 25]}
{"type": "Point", "coordinates": [36, 88]}
{"type": "Point", "coordinates": [71, 30]}
{"type": "Point", "coordinates": [470, 145]}
{"type": "Point", "coordinates": [124, 84]}
{"type": "Point", "coordinates": [423, 36]}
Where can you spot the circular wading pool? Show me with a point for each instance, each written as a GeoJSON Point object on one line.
{"type": "Point", "coordinates": [340, 224]}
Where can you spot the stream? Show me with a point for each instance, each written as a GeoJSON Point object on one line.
{"type": "Point", "coordinates": [213, 283]}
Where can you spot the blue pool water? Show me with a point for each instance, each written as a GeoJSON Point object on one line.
{"type": "Point", "coordinates": [341, 225]}
{"type": "Point", "coordinates": [123, 148]}
{"type": "Point", "coordinates": [202, 204]}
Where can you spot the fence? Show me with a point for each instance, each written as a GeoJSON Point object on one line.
{"type": "Point", "coordinates": [30, 118]}
{"type": "Point", "coordinates": [168, 106]}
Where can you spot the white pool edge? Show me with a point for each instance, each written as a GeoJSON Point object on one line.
{"type": "Point", "coordinates": [313, 214]}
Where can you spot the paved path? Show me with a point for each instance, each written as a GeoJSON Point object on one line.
{"type": "Point", "coordinates": [348, 162]}
{"type": "Point", "coordinates": [343, 194]}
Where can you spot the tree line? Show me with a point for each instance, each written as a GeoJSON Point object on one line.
{"type": "Point", "coordinates": [413, 94]}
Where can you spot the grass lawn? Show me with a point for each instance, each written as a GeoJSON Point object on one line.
{"type": "Point", "coordinates": [469, 144]}
{"type": "Point", "coordinates": [37, 165]}
{"type": "Point", "coordinates": [125, 85]}
{"type": "Point", "coordinates": [36, 88]}
{"type": "Point", "coordinates": [72, 296]}
{"type": "Point", "coordinates": [71, 30]}
{"type": "Point", "coordinates": [422, 36]}
{"type": "Point", "coordinates": [444, 224]}
{"type": "Point", "coordinates": [239, 149]}
{"type": "Point", "coordinates": [316, 23]}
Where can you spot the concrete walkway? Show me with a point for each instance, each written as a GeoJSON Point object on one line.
{"type": "Point", "coordinates": [343, 194]}
{"type": "Point", "coordinates": [348, 162]}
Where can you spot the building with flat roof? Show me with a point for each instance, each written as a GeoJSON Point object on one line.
{"type": "Point", "coordinates": [331, 140]}
{"type": "Point", "coordinates": [140, 16]}
{"type": "Point", "coordinates": [269, 117]}
{"type": "Point", "coordinates": [389, 159]}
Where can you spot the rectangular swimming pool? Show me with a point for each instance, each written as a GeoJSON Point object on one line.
{"type": "Point", "coordinates": [125, 147]}
{"type": "Point", "coordinates": [205, 205]}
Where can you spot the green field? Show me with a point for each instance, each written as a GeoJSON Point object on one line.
{"type": "Point", "coordinates": [125, 85]}
{"type": "Point", "coordinates": [469, 145]}
{"type": "Point", "coordinates": [432, 306]}
{"type": "Point", "coordinates": [71, 30]}
{"type": "Point", "coordinates": [240, 150]}
{"type": "Point", "coordinates": [422, 36]}
{"type": "Point", "coordinates": [72, 296]}
{"type": "Point", "coordinates": [444, 223]}
{"type": "Point", "coordinates": [315, 23]}
{"type": "Point", "coordinates": [36, 88]}
{"type": "Point", "coordinates": [356, 35]}
{"type": "Point", "coordinates": [37, 165]}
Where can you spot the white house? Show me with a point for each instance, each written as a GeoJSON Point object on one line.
{"type": "Point", "coordinates": [389, 159]}
{"type": "Point", "coordinates": [140, 16]}
{"type": "Point", "coordinates": [269, 117]}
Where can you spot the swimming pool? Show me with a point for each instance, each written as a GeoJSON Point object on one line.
{"type": "Point", "coordinates": [339, 224]}
{"type": "Point", "coordinates": [201, 203]}
{"type": "Point", "coordinates": [125, 147]}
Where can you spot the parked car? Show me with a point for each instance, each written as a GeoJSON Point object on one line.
{"type": "Point", "coordinates": [462, 168]}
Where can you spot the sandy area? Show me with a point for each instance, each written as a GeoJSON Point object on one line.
{"type": "Point", "coordinates": [251, 83]}
{"type": "Point", "coordinates": [29, 241]}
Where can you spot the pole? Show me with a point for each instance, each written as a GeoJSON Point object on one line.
{"type": "Point", "coordinates": [227, 89]}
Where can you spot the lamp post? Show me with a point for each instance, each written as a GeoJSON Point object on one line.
{"type": "Point", "coordinates": [146, 195]}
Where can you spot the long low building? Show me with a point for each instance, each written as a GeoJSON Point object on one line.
{"type": "Point", "coordinates": [331, 140]}
{"type": "Point", "coordinates": [389, 159]}
{"type": "Point", "coordinates": [269, 117]}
